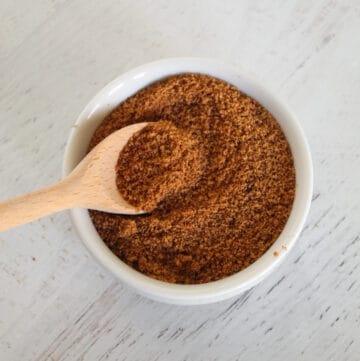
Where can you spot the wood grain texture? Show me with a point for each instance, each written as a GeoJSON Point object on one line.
{"type": "Point", "coordinates": [56, 303]}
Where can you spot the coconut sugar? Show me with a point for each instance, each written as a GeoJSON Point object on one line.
{"type": "Point", "coordinates": [217, 220]}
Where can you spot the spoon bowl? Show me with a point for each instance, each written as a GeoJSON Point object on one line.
{"type": "Point", "coordinates": [96, 174]}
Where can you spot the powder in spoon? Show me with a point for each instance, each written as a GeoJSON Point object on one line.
{"type": "Point", "coordinates": [158, 162]}
{"type": "Point", "coordinates": [230, 215]}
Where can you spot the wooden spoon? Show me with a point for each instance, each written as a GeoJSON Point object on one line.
{"type": "Point", "coordinates": [92, 184]}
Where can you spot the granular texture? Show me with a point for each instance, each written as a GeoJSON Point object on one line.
{"type": "Point", "coordinates": [238, 207]}
{"type": "Point", "coordinates": [157, 162]}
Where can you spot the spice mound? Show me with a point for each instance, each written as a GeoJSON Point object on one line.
{"type": "Point", "coordinates": [234, 206]}
{"type": "Point", "coordinates": [158, 162]}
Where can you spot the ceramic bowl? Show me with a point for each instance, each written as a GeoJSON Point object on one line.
{"type": "Point", "coordinates": [128, 84]}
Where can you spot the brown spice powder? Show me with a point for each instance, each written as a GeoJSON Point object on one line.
{"type": "Point", "coordinates": [157, 162]}
{"type": "Point", "coordinates": [228, 217]}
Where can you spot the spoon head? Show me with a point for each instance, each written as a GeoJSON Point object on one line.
{"type": "Point", "coordinates": [98, 175]}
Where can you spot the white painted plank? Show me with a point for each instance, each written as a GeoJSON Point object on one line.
{"type": "Point", "coordinates": [56, 303]}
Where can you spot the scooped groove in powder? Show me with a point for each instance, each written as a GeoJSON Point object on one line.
{"type": "Point", "coordinates": [229, 215]}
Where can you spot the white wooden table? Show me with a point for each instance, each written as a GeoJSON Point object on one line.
{"type": "Point", "coordinates": [56, 303]}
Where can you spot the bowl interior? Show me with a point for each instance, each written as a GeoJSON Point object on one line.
{"type": "Point", "coordinates": [127, 85]}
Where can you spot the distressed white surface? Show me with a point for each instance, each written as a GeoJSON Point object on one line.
{"type": "Point", "coordinates": [56, 303]}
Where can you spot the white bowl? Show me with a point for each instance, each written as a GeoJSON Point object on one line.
{"type": "Point", "coordinates": [128, 84]}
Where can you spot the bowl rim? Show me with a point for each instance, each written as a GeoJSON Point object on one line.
{"type": "Point", "coordinates": [244, 279]}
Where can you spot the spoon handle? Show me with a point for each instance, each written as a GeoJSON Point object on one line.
{"type": "Point", "coordinates": [34, 205]}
